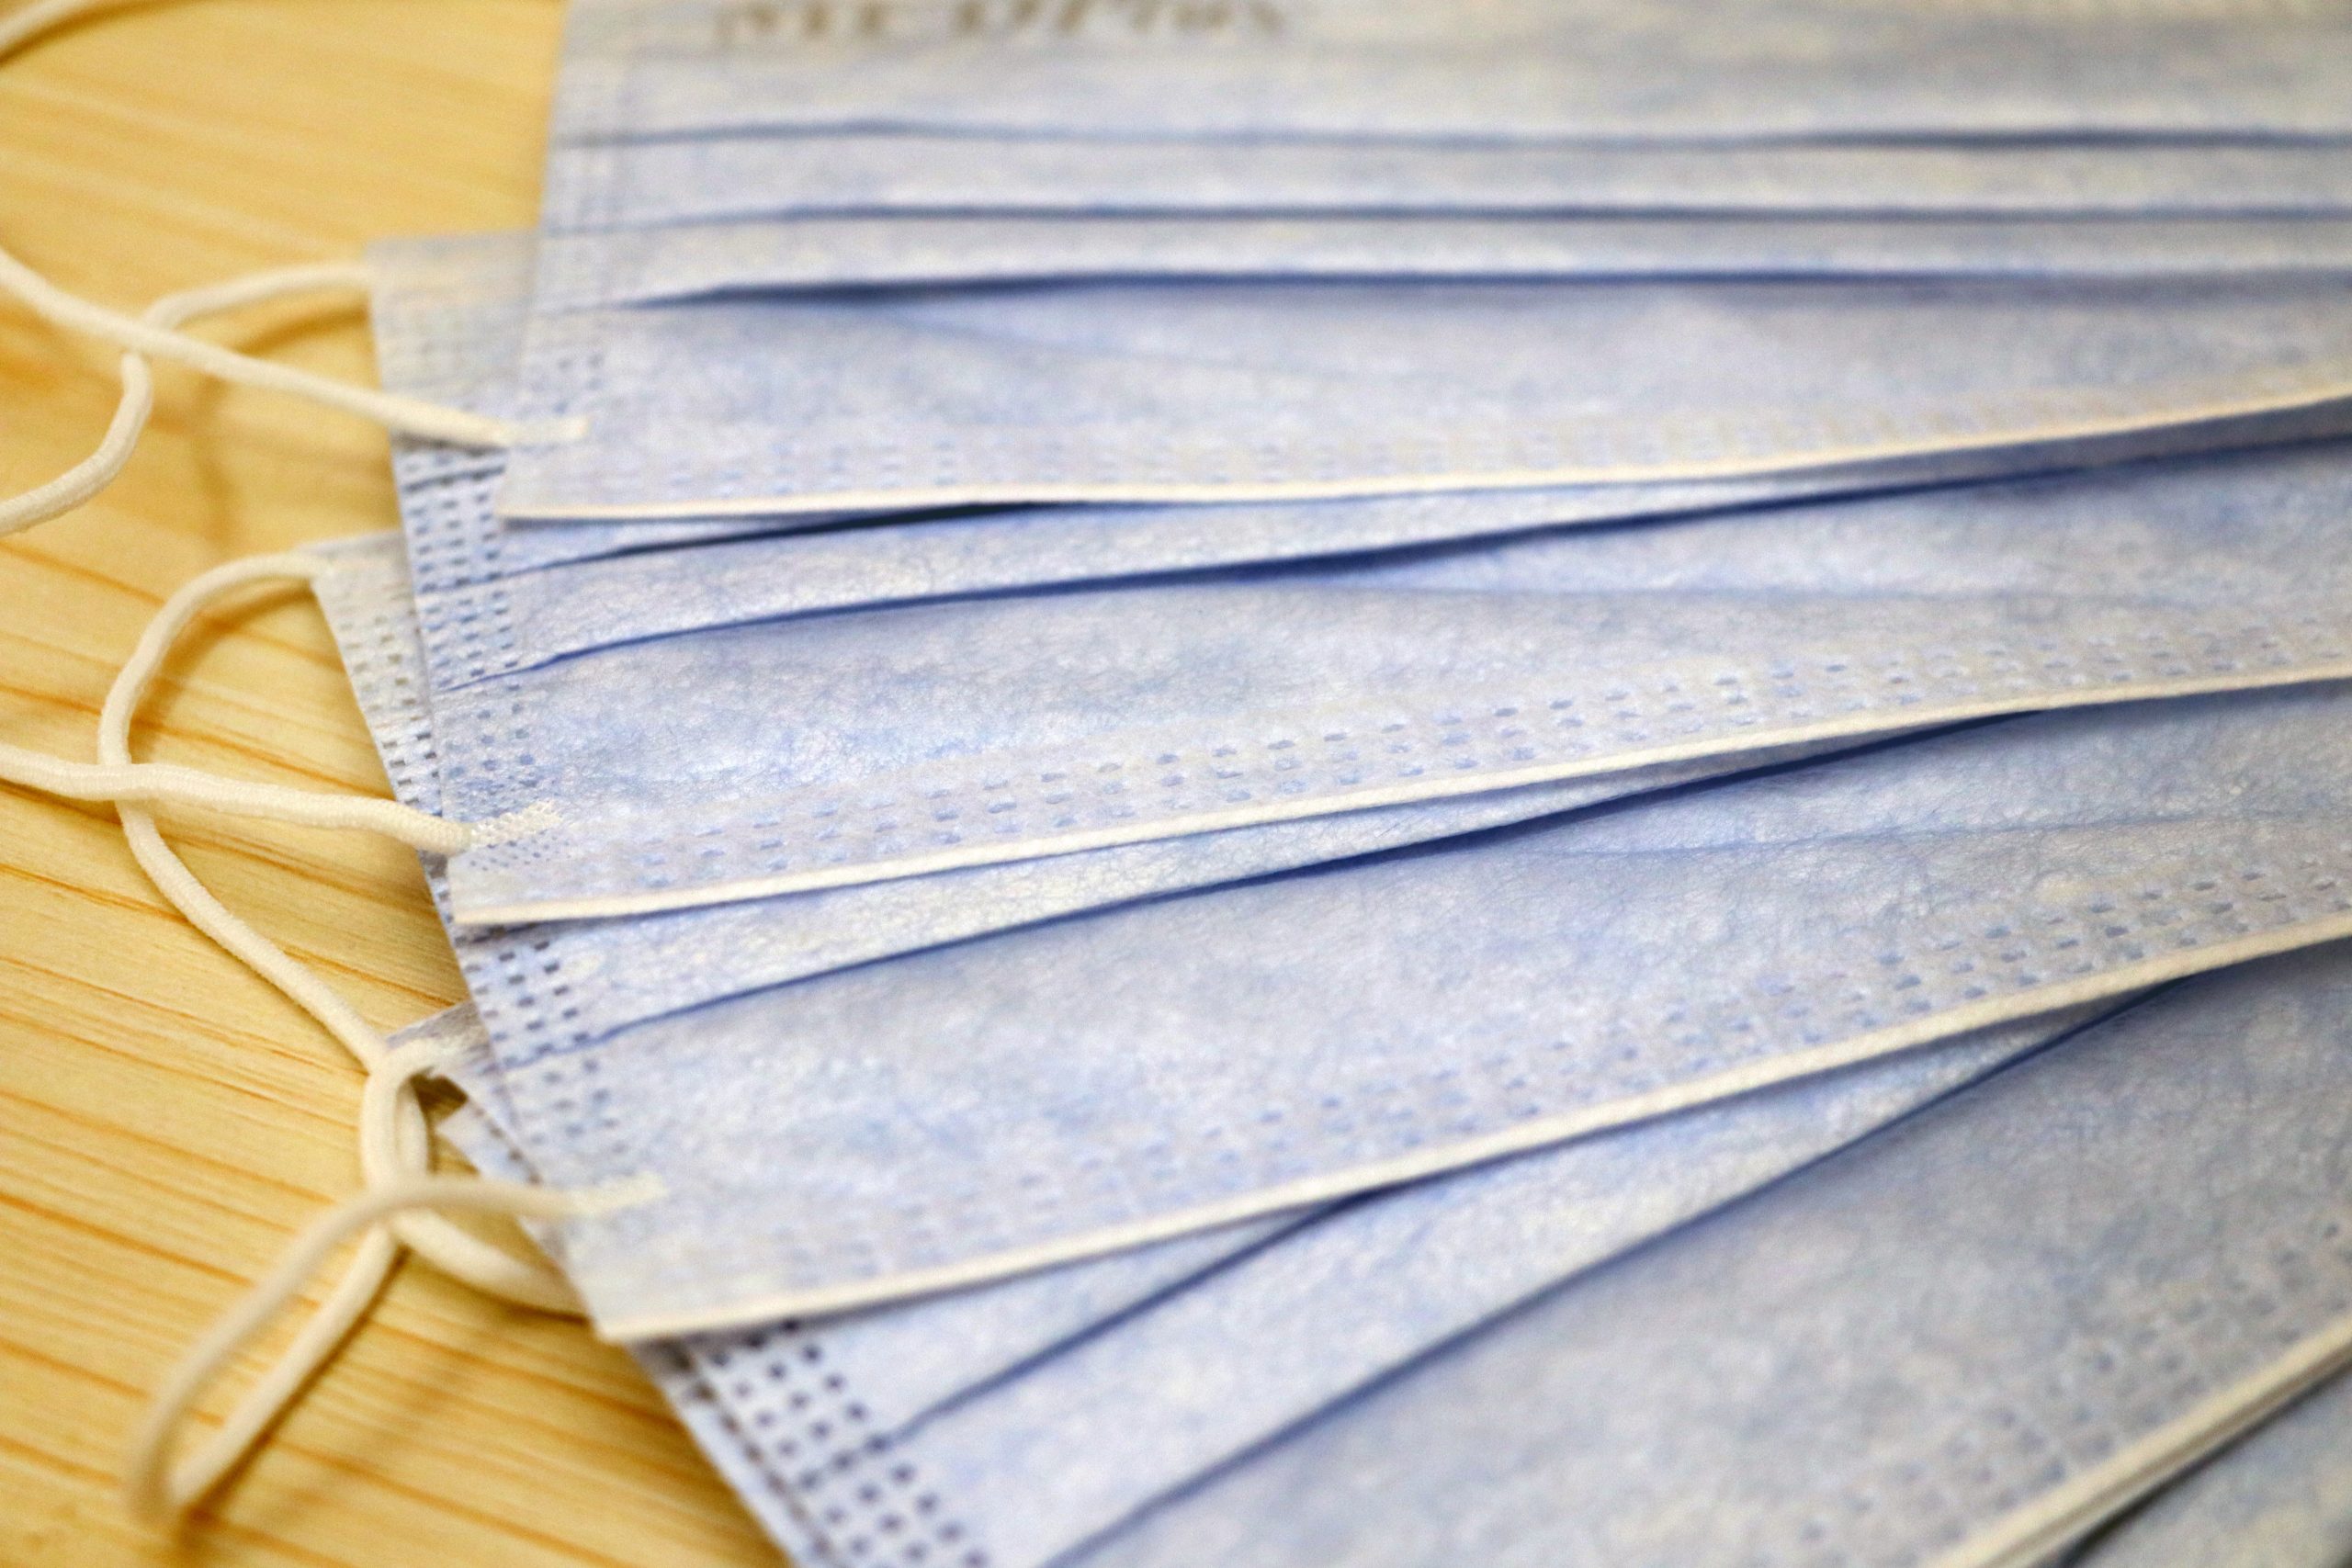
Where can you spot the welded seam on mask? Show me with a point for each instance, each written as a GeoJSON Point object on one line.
{"type": "Point", "coordinates": [847, 1446]}
{"type": "Point", "coordinates": [452, 545]}
{"type": "Point", "coordinates": [1949, 693]}
{"type": "Point", "coordinates": [1654, 449]}
{"type": "Point", "coordinates": [828, 1440]}
{"type": "Point", "coordinates": [1759, 1071]}
{"type": "Point", "coordinates": [2017, 1540]}
{"type": "Point", "coordinates": [2061, 1518]}
{"type": "Point", "coordinates": [362, 600]}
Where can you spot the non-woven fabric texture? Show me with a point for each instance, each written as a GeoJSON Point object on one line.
{"type": "Point", "coordinates": [885, 1368]}
{"type": "Point", "coordinates": [999, 1105]}
{"type": "Point", "coordinates": [630, 267]}
{"type": "Point", "coordinates": [652, 774]}
{"type": "Point", "coordinates": [489, 1147]}
{"type": "Point", "coordinates": [696, 179]}
{"type": "Point", "coordinates": [1962, 1343]}
{"type": "Point", "coordinates": [1499, 71]}
{"type": "Point", "coordinates": [504, 966]}
{"type": "Point", "coordinates": [569, 983]}
{"type": "Point", "coordinates": [449, 315]}
{"type": "Point", "coordinates": [1222, 392]}
{"type": "Point", "coordinates": [2279, 1498]}
{"type": "Point", "coordinates": [507, 624]}
{"type": "Point", "coordinates": [1034, 1459]}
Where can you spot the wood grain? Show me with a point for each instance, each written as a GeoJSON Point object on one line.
{"type": "Point", "coordinates": [166, 1122]}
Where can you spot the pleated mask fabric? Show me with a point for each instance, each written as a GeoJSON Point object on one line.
{"type": "Point", "coordinates": [1032, 1459]}
{"type": "Point", "coordinates": [1504, 71]}
{"type": "Point", "coordinates": [2279, 1498]}
{"type": "Point", "coordinates": [1754, 933]}
{"type": "Point", "coordinates": [1108, 392]}
{"type": "Point", "coordinates": [652, 773]}
{"type": "Point", "coordinates": [449, 311]}
{"type": "Point", "coordinates": [1567, 770]}
{"type": "Point", "coordinates": [903, 1361]}
{"type": "Point", "coordinates": [502, 965]}
{"type": "Point", "coordinates": [449, 315]}
{"type": "Point", "coordinates": [633, 266]}
{"type": "Point", "coordinates": [1962, 1343]}
{"type": "Point", "coordinates": [626, 184]}
{"type": "Point", "coordinates": [571, 983]}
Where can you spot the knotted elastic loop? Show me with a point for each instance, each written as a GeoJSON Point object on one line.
{"type": "Point", "coordinates": [155, 333]}
{"type": "Point", "coordinates": [404, 1205]}
{"type": "Point", "coordinates": [98, 470]}
{"type": "Point", "coordinates": [117, 778]}
{"type": "Point", "coordinates": [400, 1196]}
{"type": "Point", "coordinates": [158, 1493]}
{"type": "Point", "coordinates": [396, 1146]}
{"type": "Point", "coordinates": [404, 415]}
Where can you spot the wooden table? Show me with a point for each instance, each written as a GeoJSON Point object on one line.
{"type": "Point", "coordinates": [166, 1121]}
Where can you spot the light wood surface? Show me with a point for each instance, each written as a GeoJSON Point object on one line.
{"type": "Point", "coordinates": [166, 1122]}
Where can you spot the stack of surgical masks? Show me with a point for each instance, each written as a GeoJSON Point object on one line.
{"type": "Point", "coordinates": [1326, 782]}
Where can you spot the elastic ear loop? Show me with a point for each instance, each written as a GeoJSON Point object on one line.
{"type": "Point", "coordinates": [121, 780]}
{"type": "Point", "coordinates": [403, 1205]}
{"type": "Point", "coordinates": [403, 415]}
{"type": "Point", "coordinates": [394, 1140]}
{"type": "Point", "coordinates": [94, 473]}
{"type": "Point", "coordinates": [154, 335]}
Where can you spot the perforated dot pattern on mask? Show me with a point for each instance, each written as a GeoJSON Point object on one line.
{"type": "Point", "coordinates": [1276, 765]}
{"type": "Point", "coordinates": [2003, 956]}
{"type": "Point", "coordinates": [572, 373]}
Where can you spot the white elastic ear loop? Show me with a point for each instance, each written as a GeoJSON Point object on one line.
{"type": "Point", "coordinates": [95, 472]}
{"type": "Point", "coordinates": [447, 1246]}
{"type": "Point", "coordinates": [158, 1493]}
{"type": "Point", "coordinates": [408, 416]}
{"type": "Point", "coordinates": [129, 783]}
{"type": "Point", "coordinates": [98, 470]}
{"type": "Point", "coordinates": [154, 335]}
{"type": "Point", "coordinates": [162, 783]}
{"type": "Point", "coordinates": [115, 777]}
{"type": "Point", "coordinates": [402, 1199]}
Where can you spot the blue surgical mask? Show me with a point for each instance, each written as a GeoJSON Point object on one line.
{"type": "Point", "coordinates": [1946, 885]}
{"type": "Point", "coordinates": [650, 774]}
{"type": "Point", "coordinates": [1519, 70]}
{"type": "Point", "coordinates": [705, 178]}
{"type": "Point", "coordinates": [2159, 527]}
{"type": "Point", "coordinates": [1962, 1342]}
{"type": "Point", "coordinates": [1163, 1386]}
{"type": "Point", "coordinates": [449, 315]}
{"type": "Point", "coordinates": [905, 1361]}
{"type": "Point", "coordinates": [1113, 392]}
{"type": "Point", "coordinates": [636, 266]}
{"type": "Point", "coordinates": [2279, 1498]}
{"type": "Point", "coordinates": [587, 978]}
{"type": "Point", "coordinates": [449, 323]}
